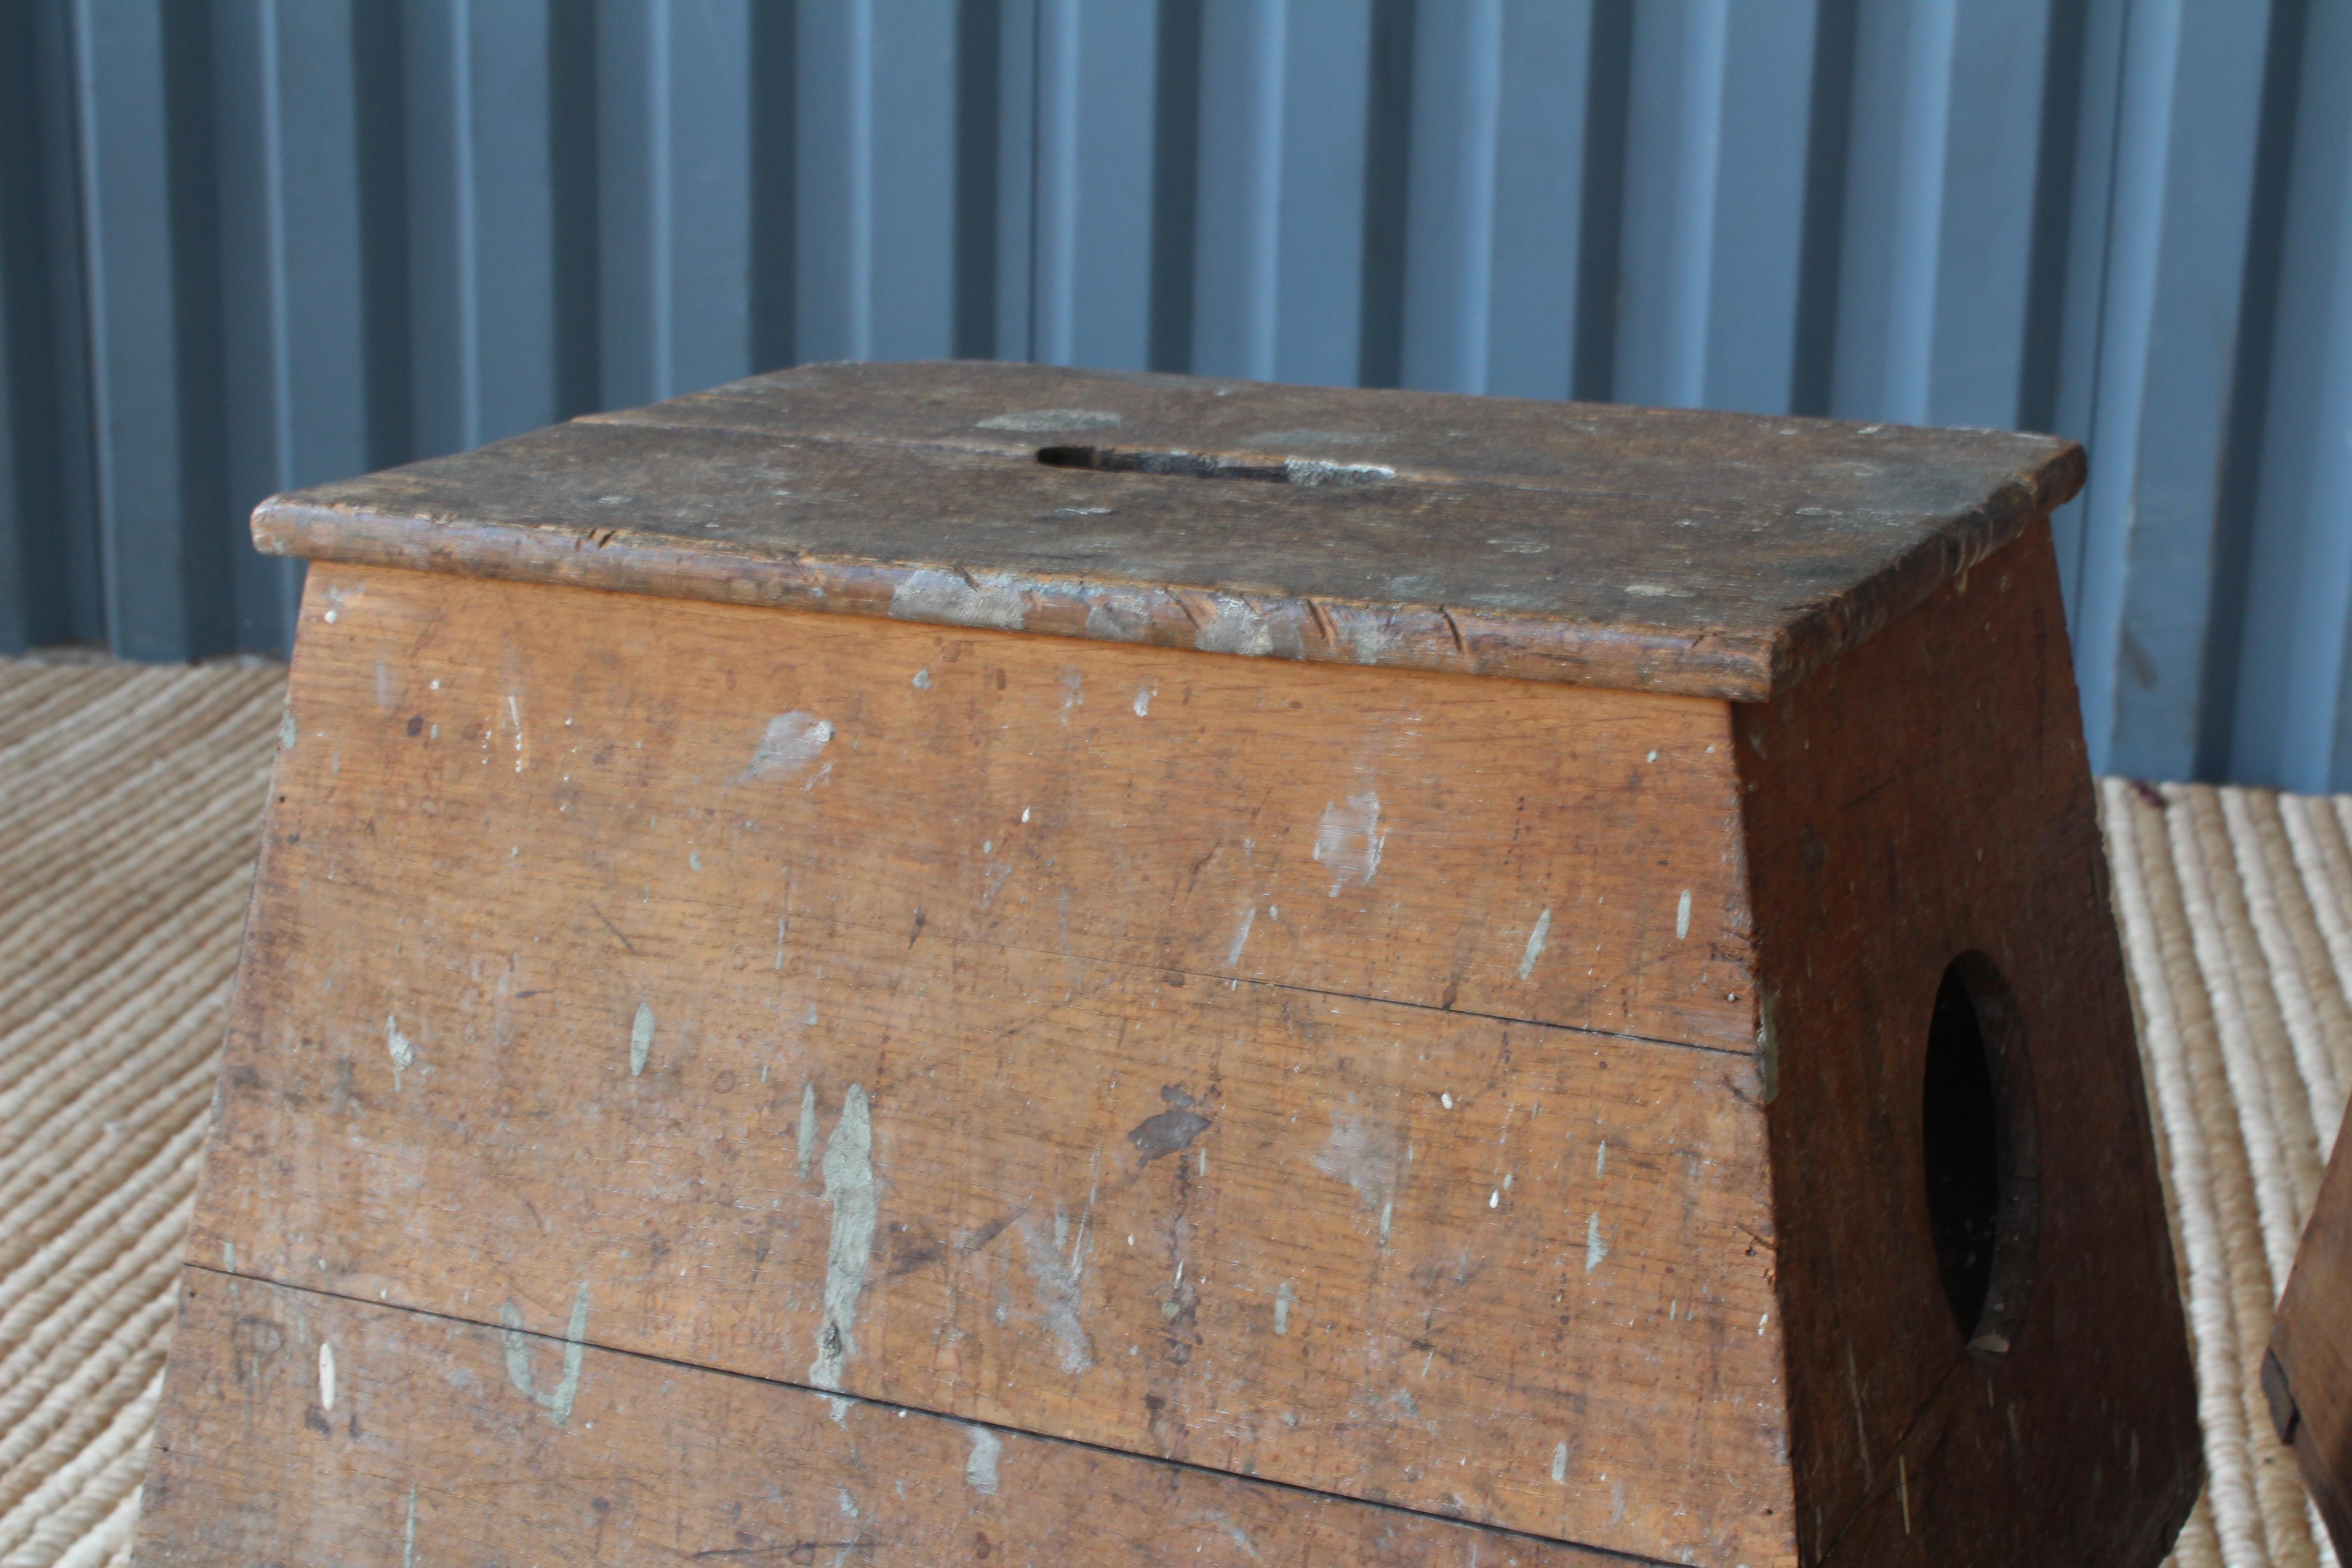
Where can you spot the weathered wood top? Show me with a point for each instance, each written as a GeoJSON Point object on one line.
{"type": "Point", "coordinates": [1714, 554]}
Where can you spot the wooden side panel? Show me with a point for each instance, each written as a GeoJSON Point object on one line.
{"type": "Point", "coordinates": [1925, 798]}
{"type": "Point", "coordinates": [2308, 1374]}
{"type": "Point", "coordinates": [587, 977]}
{"type": "Point", "coordinates": [303, 1427]}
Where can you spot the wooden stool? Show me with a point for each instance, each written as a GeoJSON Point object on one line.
{"type": "Point", "coordinates": [920, 964]}
{"type": "Point", "coordinates": [2307, 1374]}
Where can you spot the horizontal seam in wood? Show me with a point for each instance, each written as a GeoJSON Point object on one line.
{"type": "Point", "coordinates": [1131, 967]}
{"type": "Point", "coordinates": [942, 1415]}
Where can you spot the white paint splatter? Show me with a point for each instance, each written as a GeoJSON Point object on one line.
{"type": "Point", "coordinates": [1235, 628]}
{"type": "Point", "coordinates": [403, 1049]}
{"type": "Point", "coordinates": [1057, 1290]}
{"type": "Point", "coordinates": [1282, 1300]}
{"type": "Point", "coordinates": [1143, 694]}
{"type": "Point", "coordinates": [849, 1187]}
{"type": "Point", "coordinates": [1045, 421]}
{"type": "Point", "coordinates": [1616, 1501]}
{"type": "Point", "coordinates": [923, 680]}
{"type": "Point", "coordinates": [1535, 944]}
{"type": "Point", "coordinates": [557, 1401]}
{"type": "Point", "coordinates": [1240, 936]}
{"type": "Point", "coordinates": [1595, 1249]}
{"type": "Point", "coordinates": [1349, 839]}
{"type": "Point", "coordinates": [847, 1504]}
{"type": "Point", "coordinates": [980, 1466]}
{"type": "Point", "coordinates": [1559, 1464]}
{"type": "Point", "coordinates": [1600, 1159]}
{"type": "Point", "coordinates": [641, 1039]}
{"type": "Point", "coordinates": [790, 744]}
{"type": "Point", "coordinates": [960, 599]}
{"type": "Point", "coordinates": [286, 733]}
{"type": "Point", "coordinates": [1682, 917]}
{"type": "Point", "coordinates": [1318, 472]}
{"type": "Point", "coordinates": [1367, 1157]}
{"type": "Point", "coordinates": [326, 1375]}
{"type": "Point", "coordinates": [1657, 591]}
{"type": "Point", "coordinates": [408, 1545]}
{"type": "Point", "coordinates": [808, 1128]}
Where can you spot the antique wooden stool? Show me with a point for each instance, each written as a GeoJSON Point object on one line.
{"type": "Point", "coordinates": [2307, 1374]}
{"type": "Point", "coordinates": [930, 963]}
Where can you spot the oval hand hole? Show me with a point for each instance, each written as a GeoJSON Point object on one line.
{"type": "Point", "coordinates": [1976, 1144]}
{"type": "Point", "coordinates": [1214, 465]}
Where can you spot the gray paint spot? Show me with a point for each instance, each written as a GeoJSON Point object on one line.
{"type": "Point", "coordinates": [849, 1188]}
{"type": "Point", "coordinates": [286, 733]}
{"type": "Point", "coordinates": [326, 1375]}
{"type": "Point", "coordinates": [1057, 1290]}
{"type": "Point", "coordinates": [641, 1039]}
{"type": "Point", "coordinates": [1349, 839]}
{"type": "Point", "coordinates": [1045, 421]}
{"type": "Point", "coordinates": [1282, 1300]}
{"type": "Point", "coordinates": [1559, 1464]}
{"type": "Point", "coordinates": [1167, 1132]}
{"type": "Point", "coordinates": [923, 680]}
{"type": "Point", "coordinates": [808, 1128]}
{"type": "Point", "coordinates": [791, 743]}
{"type": "Point", "coordinates": [1367, 1157]}
{"type": "Point", "coordinates": [1119, 618]}
{"type": "Point", "coordinates": [1535, 944]}
{"type": "Point", "coordinates": [980, 1469]}
{"type": "Point", "coordinates": [985, 599]}
{"type": "Point", "coordinates": [1682, 917]}
{"type": "Point", "coordinates": [1235, 628]}
{"type": "Point", "coordinates": [403, 1049]}
{"type": "Point", "coordinates": [1595, 1249]}
{"type": "Point", "coordinates": [557, 1402]}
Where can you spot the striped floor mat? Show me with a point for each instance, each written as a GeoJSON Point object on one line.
{"type": "Point", "coordinates": [129, 799]}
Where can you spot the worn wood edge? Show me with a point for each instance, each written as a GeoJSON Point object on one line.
{"type": "Point", "coordinates": [1434, 639]}
{"type": "Point", "coordinates": [1838, 626]}
{"type": "Point", "coordinates": [1144, 1463]}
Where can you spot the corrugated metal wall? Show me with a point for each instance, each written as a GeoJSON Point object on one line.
{"type": "Point", "coordinates": [250, 244]}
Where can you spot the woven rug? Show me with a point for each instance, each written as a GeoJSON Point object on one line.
{"type": "Point", "coordinates": [130, 803]}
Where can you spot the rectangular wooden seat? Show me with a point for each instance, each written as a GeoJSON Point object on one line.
{"type": "Point", "coordinates": [911, 964]}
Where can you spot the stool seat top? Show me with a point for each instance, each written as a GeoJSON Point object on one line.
{"type": "Point", "coordinates": [1711, 555]}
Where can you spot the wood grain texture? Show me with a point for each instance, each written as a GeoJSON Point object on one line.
{"type": "Point", "coordinates": [1078, 1038]}
{"type": "Point", "coordinates": [432, 1449]}
{"type": "Point", "coordinates": [1708, 554]}
{"type": "Point", "coordinates": [1925, 798]}
{"type": "Point", "coordinates": [2308, 1374]}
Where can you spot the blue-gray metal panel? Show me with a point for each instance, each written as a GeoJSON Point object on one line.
{"type": "Point", "coordinates": [2290, 723]}
{"type": "Point", "coordinates": [2183, 177]}
{"type": "Point", "coordinates": [254, 242]}
{"type": "Point", "coordinates": [293, 356]}
{"type": "Point", "coordinates": [481, 219]}
{"type": "Point", "coordinates": [1096, 114]}
{"type": "Point", "coordinates": [1939, 212]}
{"type": "Point", "coordinates": [162, 571]}
{"type": "Point", "coordinates": [675, 203]}
{"type": "Point", "coordinates": [1714, 202]}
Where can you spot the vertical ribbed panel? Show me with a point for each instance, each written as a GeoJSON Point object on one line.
{"type": "Point", "coordinates": [251, 244]}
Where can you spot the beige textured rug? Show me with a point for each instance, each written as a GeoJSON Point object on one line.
{"type": "Point", "coordinates": [130, 801]}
